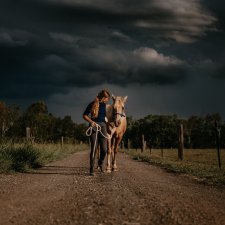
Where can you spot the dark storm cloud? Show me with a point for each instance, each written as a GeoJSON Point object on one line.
{"type": "Point", "coordinates": [215, 70]}
{"type": "Point", "coordinates": [219, 71]}
{"type": "Point", "coordinates": [213, 46]}
{"type": "Point", "coordinates": [51, 46]}
{"type": "Point", "coordinates": [217, 7]}
{"type": "Point", "coordinates": [143, 65]}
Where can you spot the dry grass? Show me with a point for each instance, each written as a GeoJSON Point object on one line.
{"type": "Point", "coordinates": [202, 163]}
{"type": "Point", "coordinates": [22, 157]}
{"type": "Point", "coordinates": [53, 152]}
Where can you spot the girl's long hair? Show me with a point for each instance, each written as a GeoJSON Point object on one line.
{"type": "Point", "coordinates": [98, 99]}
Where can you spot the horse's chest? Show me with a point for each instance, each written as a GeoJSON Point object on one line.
{"type": "Point", "coordinates": [119, 131]}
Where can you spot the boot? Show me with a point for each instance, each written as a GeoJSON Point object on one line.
{"type": "Point", "coordinates": [100, 167]}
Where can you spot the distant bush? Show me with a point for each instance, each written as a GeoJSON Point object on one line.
{"type": "Point", "coordinates": [19, 158]}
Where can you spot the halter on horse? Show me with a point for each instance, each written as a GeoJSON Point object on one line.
{"type": "Point", "coordinates": [118, 109]}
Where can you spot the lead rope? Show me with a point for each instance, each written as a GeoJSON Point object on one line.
{"type": "Point", "coordinates": [89, 132]}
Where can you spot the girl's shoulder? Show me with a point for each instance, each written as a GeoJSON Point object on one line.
{"type": "Point", "coordinates": [88, 108]}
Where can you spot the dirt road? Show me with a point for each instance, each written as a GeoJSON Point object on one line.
{"type": "Point", "coordinates": [64, 193]}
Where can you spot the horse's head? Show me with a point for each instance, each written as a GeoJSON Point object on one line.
{"type": "Point", "coordinates": [118, 109]}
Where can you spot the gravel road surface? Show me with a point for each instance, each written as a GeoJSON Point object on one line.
{"type": "Point", "coordinates": [63, 193]}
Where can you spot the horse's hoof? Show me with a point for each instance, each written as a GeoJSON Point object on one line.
{"type": "Point", "coordinates": [108, 170]}
{"type": "Point", "coordinates": [114, 169]}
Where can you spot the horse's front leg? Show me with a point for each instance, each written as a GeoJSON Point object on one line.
{"type": "Point", "coordinates": [115, 150]}
{"type": "Point", "coordinates": [109, 150]}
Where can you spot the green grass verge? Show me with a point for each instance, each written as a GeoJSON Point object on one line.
{"type": "Point", "coordinates": [22, 157]}
{"type": "Point", "coordinates": [200, 163]}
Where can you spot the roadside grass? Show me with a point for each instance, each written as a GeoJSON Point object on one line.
{"type": "Point", "coordinates": [22, 157]}
{"type": "Point", "coordinates": [200, 163]}
{"type": "Point", "coordinates": [53, 152]}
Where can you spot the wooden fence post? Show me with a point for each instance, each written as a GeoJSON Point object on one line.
{"type": "Point", "coordinates": [218, 143]}
{"type": "Point", "coordinates": [28, 136]}
{"type": "Point", "coordinates": [3, 128]}
{"type": "Point", "coordinates": [62, 141]}
{"type": "Point", "coordinates": [150, 146]}
{"type": "Point", "coordinates": [181, 142]}
{"type": "Point", "coordinates": [162, 145]}
{"type": "Point", "coordinates": [122, 145]}
{"type": "Point", "coordinates": [143, 143]}
{"type": "Point", "coordinates": [128, 144]}
{"type": "Point", "coordinates": [162, 152]}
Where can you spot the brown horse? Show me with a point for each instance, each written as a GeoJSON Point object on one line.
{"type": "Point", "coordinates": [117, 125]}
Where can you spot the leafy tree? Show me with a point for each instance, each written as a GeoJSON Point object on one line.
{"type": "Point", "coordinates": [201, 131]}
{"type": "Point", "coordinates": [14, 123]}
{"type": "Point", "coordinates": [67, 127]}
{"type": "Point", "coordinates": [160, 131]}
{"type": "Point", "coordinates": [9, 115]}
{"type": "Point", "coordinates": [37, 118]}
{"type": "Point", "coordinates": [3, 118]}
{"type": "Point", "coordinates": [80, 132]}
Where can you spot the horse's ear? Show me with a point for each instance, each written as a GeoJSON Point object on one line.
{"type": "Point", "coordinates": [113, 97]}
{"type": "Point", "coordinates": [125, 99]}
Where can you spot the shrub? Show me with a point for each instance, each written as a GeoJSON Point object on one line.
{"type": "Point", "coordinates": [19, 158]}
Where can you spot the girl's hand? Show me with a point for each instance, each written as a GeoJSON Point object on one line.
{"type": "Point", "coordinates": [93, 124]}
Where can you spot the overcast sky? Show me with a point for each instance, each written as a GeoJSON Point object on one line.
{"type": "Point", "coordinates": [167, 56]}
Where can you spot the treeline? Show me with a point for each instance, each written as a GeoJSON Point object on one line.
{"type": "Point", "coordinates": [42, 125]}
{"type": "Point", "coordinates": [162, 131]}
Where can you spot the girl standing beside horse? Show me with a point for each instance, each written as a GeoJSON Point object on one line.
{"type": "Point", "coordinates": [95, 114]}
